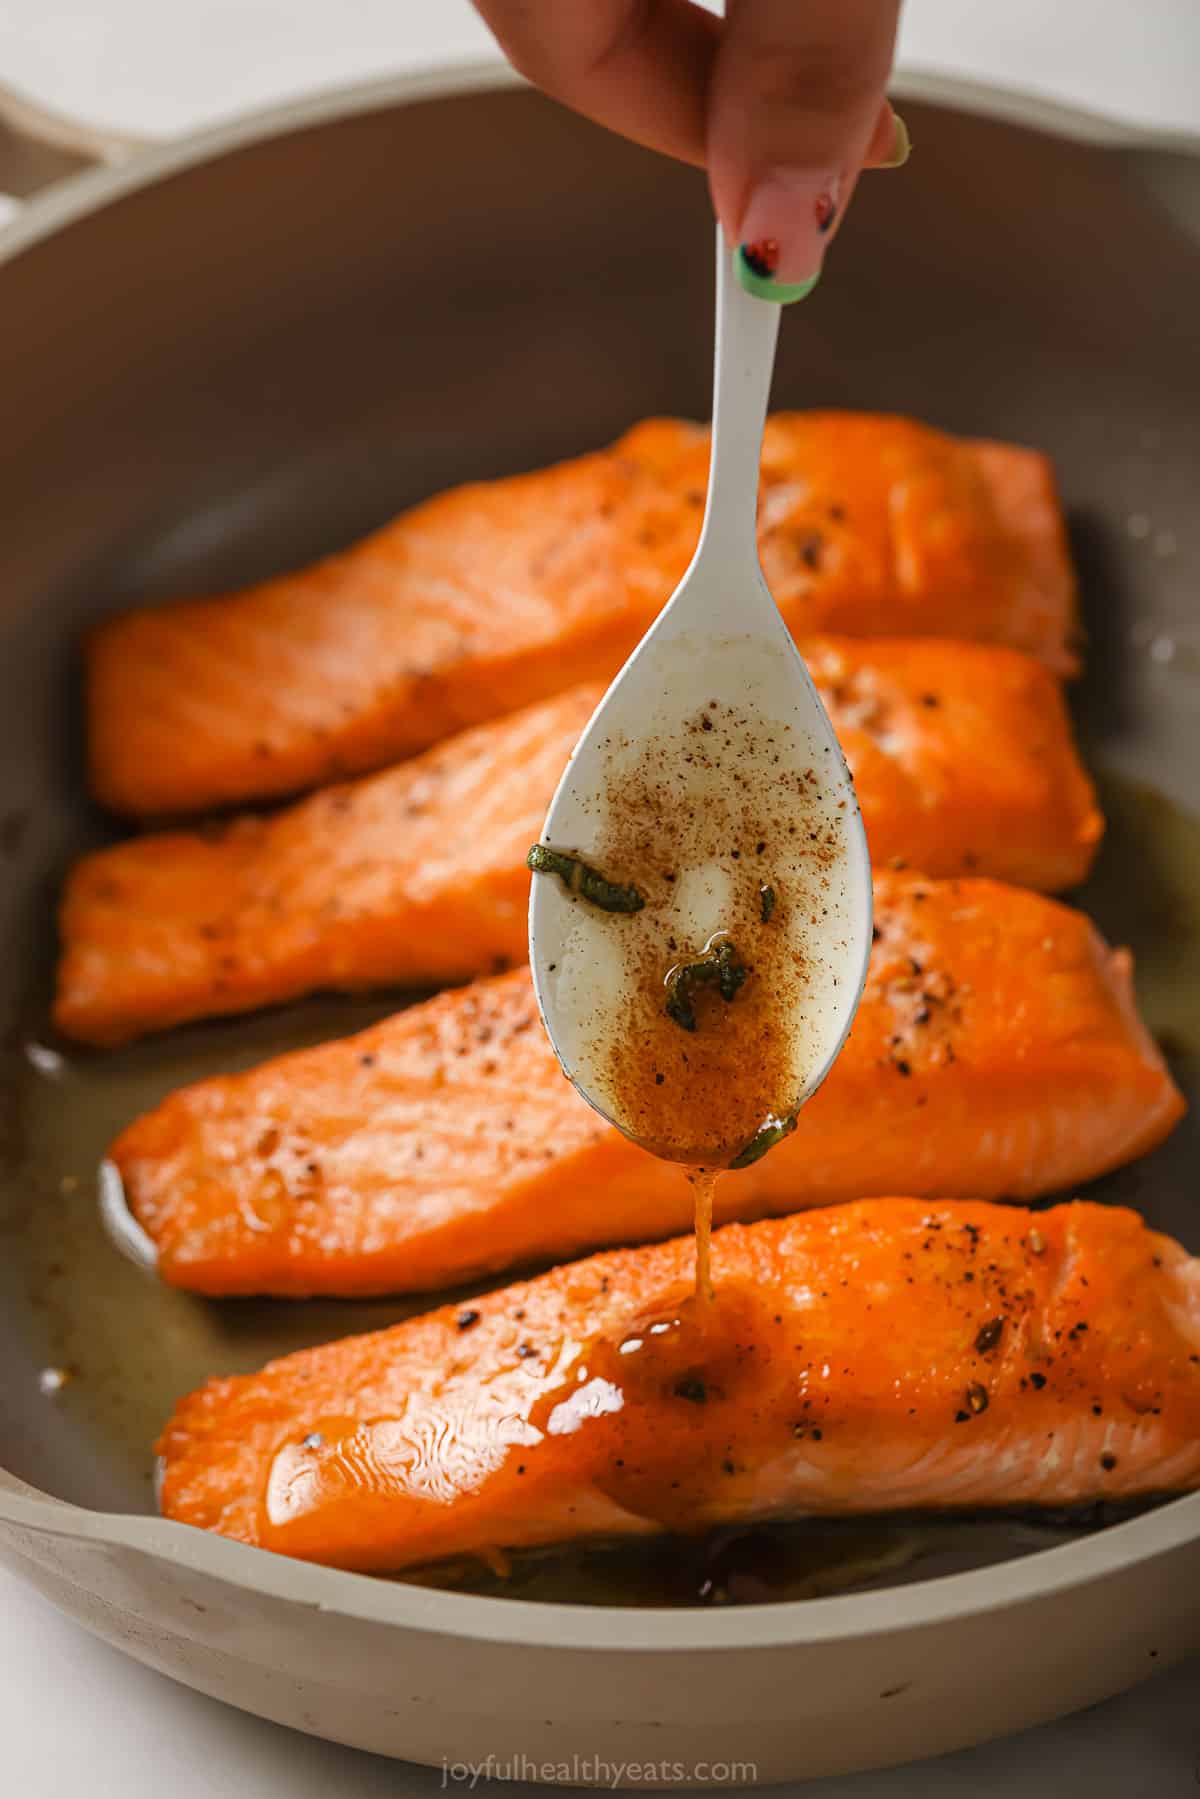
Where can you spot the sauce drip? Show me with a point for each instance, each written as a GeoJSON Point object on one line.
{"type": "Point", "coordinates": [704, 1184]}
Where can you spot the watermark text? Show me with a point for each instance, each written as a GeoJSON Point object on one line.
{"type": "Point", "coordinates": [597, 1771]}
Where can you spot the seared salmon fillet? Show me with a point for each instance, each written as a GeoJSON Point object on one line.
{"type": "Point", "coordinates": [963, 760]}
{"type": "Point", "coordinates": [997, 1051]}
{"type": "Point", "coordinates": [503, 592]}
{"type": "Point", "coordinates": [883, 1355]}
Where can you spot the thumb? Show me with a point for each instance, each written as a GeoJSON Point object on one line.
{"type": "Point", "coordinates": [796, 106]}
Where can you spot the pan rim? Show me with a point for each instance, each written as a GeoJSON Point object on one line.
{"type": "Point", "coordinates": [1036, 1577]}
{"type": "Point", "coordinates": [841, 1620]}
{"type": "Point", "coordinates": [67, 201]}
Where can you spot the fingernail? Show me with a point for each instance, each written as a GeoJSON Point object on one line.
{"type": "Point", "coordinates": [785, 230]}
{"type": "Point", "coordinates": [752, 263]}
{"type": "Point", "coordinates": [901, 145]}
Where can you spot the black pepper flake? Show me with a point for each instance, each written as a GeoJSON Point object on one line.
{"type": "Point", "coordinates": [525, 1350]}
{"type": "Point", "coordinates": [817, 1434]}
{"type": "Point", "coordinates": [977, 1397]}
{"type": "Point", "coordinates": [366, 1061]}
{"type": "Point", "coordinates": [467, 1318]}
{"type": "Point", "coordinates": [903, 1067]}
{"type": "Point", "coordinates": [728, 1466]}
{"type": "Point", "coordinates": [962, 1417]}
{"type": "Point", "coordinates": [989, 1335]}
{"type": "Point", "coordinates": [706, 723]}
{"type": "Point", "coordinates": [692, 1389]}
{"type": "Point", "coordinates": [1108, 1461]}
{"type": "Point", "coordinates": [1037, 1380]}
{"type": "Point", "coordinates": [659, 1079]}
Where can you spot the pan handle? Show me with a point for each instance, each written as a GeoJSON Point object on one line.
{"type": "Point", "coordinates": [39, 146]}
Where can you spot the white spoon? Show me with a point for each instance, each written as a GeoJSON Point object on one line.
{"type": "Point", "coordinates": [702, 817]}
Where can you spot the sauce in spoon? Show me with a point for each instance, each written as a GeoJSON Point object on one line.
{"type": "Point", "coordinates": [695, 1022]}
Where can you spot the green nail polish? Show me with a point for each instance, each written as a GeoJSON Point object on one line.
{"type": "Point", "coordinates": [901, 145]}
{"type": "Point", "coordinates": [765, 287]}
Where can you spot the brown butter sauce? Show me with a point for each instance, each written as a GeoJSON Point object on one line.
{"type": "Point", "coordinates": [674, 1419]}
{"type": "Point", "coordinates": [729, 798]}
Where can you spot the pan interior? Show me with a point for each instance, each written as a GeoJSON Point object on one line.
{"type": "Point", "coordinates": [267, 354]}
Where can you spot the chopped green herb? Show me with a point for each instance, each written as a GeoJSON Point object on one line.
{"type": "Point", "coordinates": [772, 1132]}
{"type": "Point", "coordinates": [720, 968]}
{"type": "Point", "coordinates": [579, 877]}
{"type": "Point", "coordinates": [766, 900]}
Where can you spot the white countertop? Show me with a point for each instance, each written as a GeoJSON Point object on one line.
{"type": "Point", "coordinates": [140, 65]}
{"type": "Point", "coordinates": [76, 1718]}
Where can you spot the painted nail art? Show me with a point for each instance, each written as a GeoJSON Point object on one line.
{"type": "Point", "coordinates": [750, 263]}
{"type": "Point", "coordinates": [825, 211]}
{"type": "Point", "coordinates": [789, 216]}
{"type": "Point", "coordinates": [762, 258]}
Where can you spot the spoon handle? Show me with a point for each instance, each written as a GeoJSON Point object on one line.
{"type": "Point", "coordinates": [747, 329]}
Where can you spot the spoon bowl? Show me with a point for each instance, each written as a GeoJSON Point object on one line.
{"type": "Point", "coordinates": [710, 794]}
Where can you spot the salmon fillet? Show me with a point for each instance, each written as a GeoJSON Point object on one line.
{"type": "Point", "coordinates": [503, 592]}
{"type": "Point", "coordinates": [997, 1051]}
{"type": "Point", "coordinates": [884, 1355]}
{"type": "Point", "coordinates": [962, 756]}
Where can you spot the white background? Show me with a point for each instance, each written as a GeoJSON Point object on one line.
{"type": "Point", "coordinates": [77, 1718]}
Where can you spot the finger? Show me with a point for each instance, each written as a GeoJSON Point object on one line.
{"type": "Point", "coordinates": [795, 105]}
{"type": "Point", "coordinates": [641, 67]}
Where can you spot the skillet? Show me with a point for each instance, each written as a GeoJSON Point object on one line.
{"type": "Point", "coordinates": [239, 351]}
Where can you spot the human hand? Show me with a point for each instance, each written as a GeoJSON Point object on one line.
{"type": "Point", "coordinates": [782, 101]}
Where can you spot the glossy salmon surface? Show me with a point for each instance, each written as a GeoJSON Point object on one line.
{"type": "Point", "coordinates": [962, 757]}
{"type": "Point", "coordinates": [997, 1051]}
{"type": "Point", "coordinates": [500, 593]}
{"type": "Point", "coordinates": [883, 1355]}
